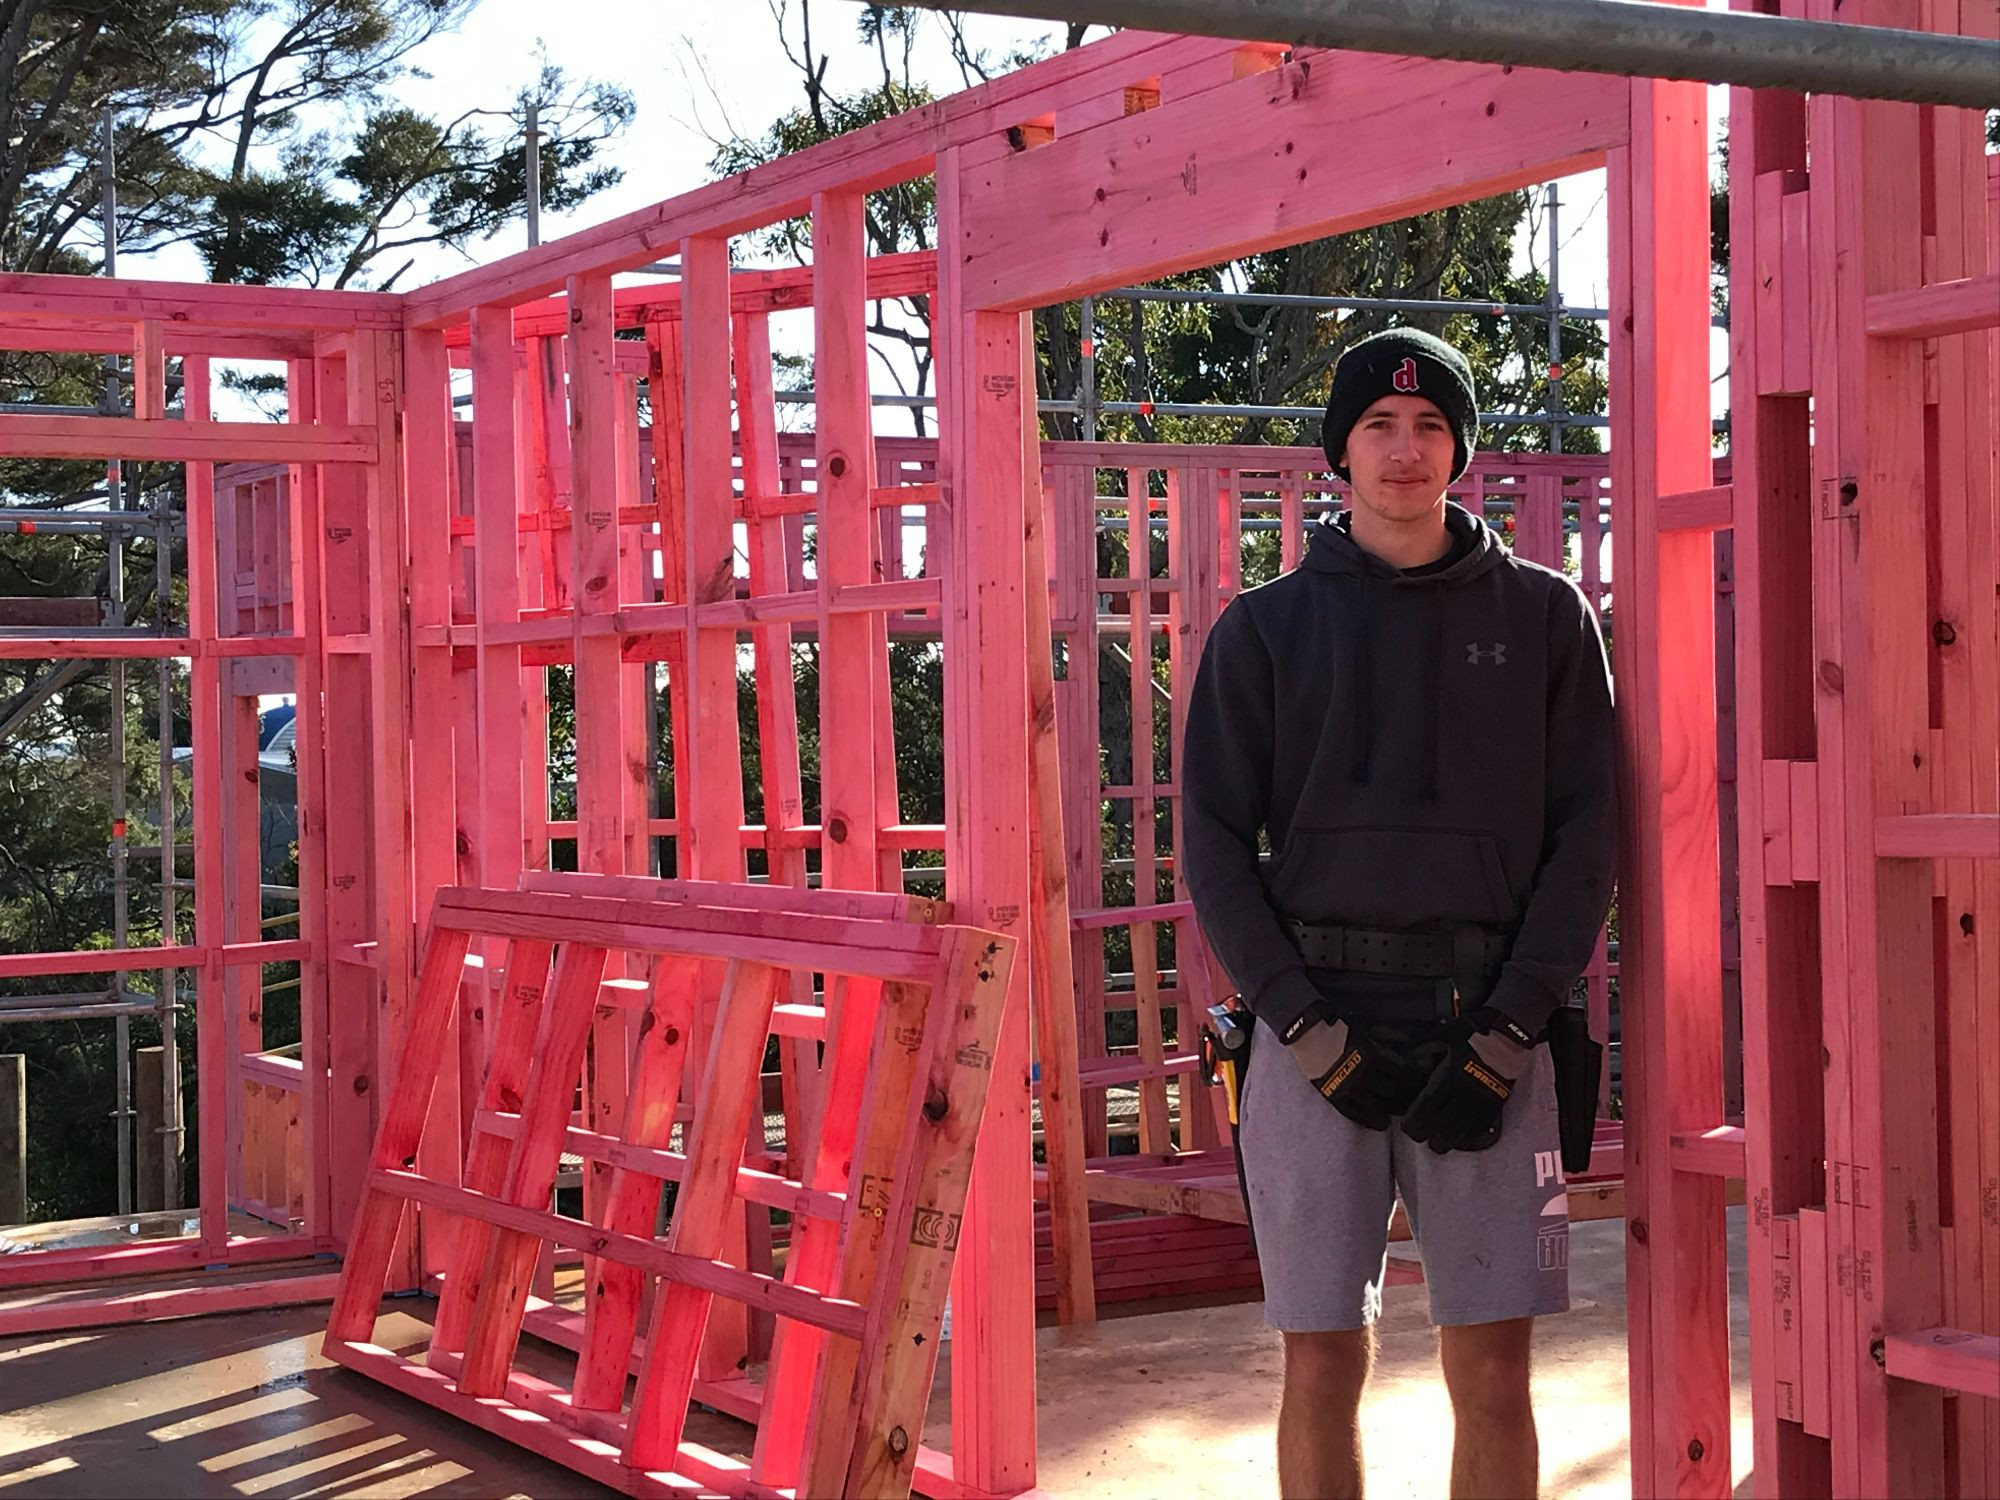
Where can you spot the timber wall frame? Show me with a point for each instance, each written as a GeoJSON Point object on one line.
{"type": "Point", "coordinates": [267, 1190]}
{"type": "Point", "coordinates": [1118, 162]}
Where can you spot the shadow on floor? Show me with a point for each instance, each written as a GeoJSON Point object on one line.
{"type": "Point", "coordinates": [1179, 1402]}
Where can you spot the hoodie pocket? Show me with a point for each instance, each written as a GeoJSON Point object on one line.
{"type": "Point", "coordinates": [1392, 877]}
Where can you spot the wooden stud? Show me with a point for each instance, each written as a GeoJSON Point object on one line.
{"type": "Point", "coordinates": [1154, 1137]}
{"type": "Point", "coordinates": [722, 1113]}
{"type": "Point", "coordinates": [611, 762]}
{"type": "Point", "coordinates": [531, 1166]}
{"type": "Point", "coordinates": [366, 1266]}
{"type": "Point", "coordinates": [873, 1034]}
{"type": "Point", "coordinates": [374, 380]}
{"type": "Point", "coordinates": [1193, 551]}
{"type": "Point", "coordinates": [1052, 977]}
{"type": "Point", "coordinates": [933, 1164]}
{"type": "Point", "coordinates": [709, 780]}
{"type": "Point", "coordinates": [1877, 952]}
{"type": "Point", "coordinates": [1671, 920]}
{"type": "Point", "coordinates": [1778, 814]}
{"type": "Point", "coordinates": [777, 705]}
{"type": "Point", "coordinates": [519, 1007]}
{"type": "Point", "coordinates": [430, 495]}
{"type": "Point", "coordinates": [983, 409]}
{"type": "Point", "coordinates": [632, 1205]}
{"type": "Point", "coordinates": [149, 371]}
{"type": "Point", "coordinates": [851, 702]}
{"type": "Point", "coordinates": [497, 849]}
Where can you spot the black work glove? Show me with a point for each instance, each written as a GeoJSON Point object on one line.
{"type": "Point", "coordinates": [1459, 1108]}
{"type": "Point", "coordinates": [1365, 1081]}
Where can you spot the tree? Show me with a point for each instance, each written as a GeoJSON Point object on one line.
{"type": "Point", "coordinates": [246, 125]}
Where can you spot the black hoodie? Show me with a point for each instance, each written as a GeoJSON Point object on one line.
{"type": "Point", "coordinates": [1424, 749]}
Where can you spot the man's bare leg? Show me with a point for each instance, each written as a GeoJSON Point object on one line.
{"type": "Point", "coordinates": [1494, 1452]}
{"type": "Point", "coordinates": [1319, 1420]}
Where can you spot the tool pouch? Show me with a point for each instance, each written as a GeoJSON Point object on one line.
{"type": "Point", "coordinates": [1578, 1061]}
{"type": "Point", "coordinates": [1225, 1058]}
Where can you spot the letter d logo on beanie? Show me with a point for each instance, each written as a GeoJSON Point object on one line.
{"type": "Point", "coordinates": [1405, 378]}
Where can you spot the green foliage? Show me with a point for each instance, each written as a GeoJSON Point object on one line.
{"type": "Point", "coordinates": [334, 208]}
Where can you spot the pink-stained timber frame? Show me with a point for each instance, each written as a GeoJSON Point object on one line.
{"type": "Point", "coordinates": [428, 588]}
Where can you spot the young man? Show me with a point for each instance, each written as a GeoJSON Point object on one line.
{"type": "Point", "coordinates": [1419, 724]}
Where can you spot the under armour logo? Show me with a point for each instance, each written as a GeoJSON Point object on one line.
{"type": "Point", "coordinates": [1405, 378]}
{"type": "Point", "coordinates": [1495, 653]}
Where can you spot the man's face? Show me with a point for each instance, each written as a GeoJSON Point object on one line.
{"type": "Point", "coordinates": [1400, 455]}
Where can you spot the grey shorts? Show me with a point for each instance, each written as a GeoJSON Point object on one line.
{"type": "Point", "coordinates": [1492, 1227]}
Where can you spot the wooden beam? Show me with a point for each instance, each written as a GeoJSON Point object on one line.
{"type": "Point", "coordinates": [1714, 1153]}
{"type": "Point", "coordinates": [1943, 307]}
{"type": "Point", "coordinates": [1707, 509]}
{"type": "Point", "coordinates": [1052, 965]}
{"type": "Point", "coordinates": [114, 336]}
{"type": "Point", "coordinates": [97, 1308]}
{"type": "Point", "coordinates": [285, 309]}
{"type": "Point", "coordinates": [430, 496]}
{"type": "Point", "coordinates": [1946, 1358]}
{"type": "Point", "coordinates": [1342, 142]}
{"type": "Point", "coordinates": [909, 273]}
{"type": "Point", "coordinates": [1938, 836]}
{"type": "Point", "coordinates": [184, 442]}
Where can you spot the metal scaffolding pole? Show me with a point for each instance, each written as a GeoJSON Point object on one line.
{"type": "Point", "coordinates": [1200, 409]}
{"type": "Point", "coordinates": [1623, 37]}
{"type": "Point", "coordinates": [1354, 304]}
{"type": "Point", "coordinates": [534, 171]}
{"type": "Point", "coordinates": [169, 1125]}
{"type": "Point", "coordinates": [1086, 374]}
{"type": "Point", "coordinates": [1555, 330]}
{"type": "Point", "coordinates": [122, 1113]}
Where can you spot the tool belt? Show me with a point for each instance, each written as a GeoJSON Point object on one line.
{"type": "Point", "coordinates": [1405, 955]}
{"type": "Point", "coordinates": [1462, 963]}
